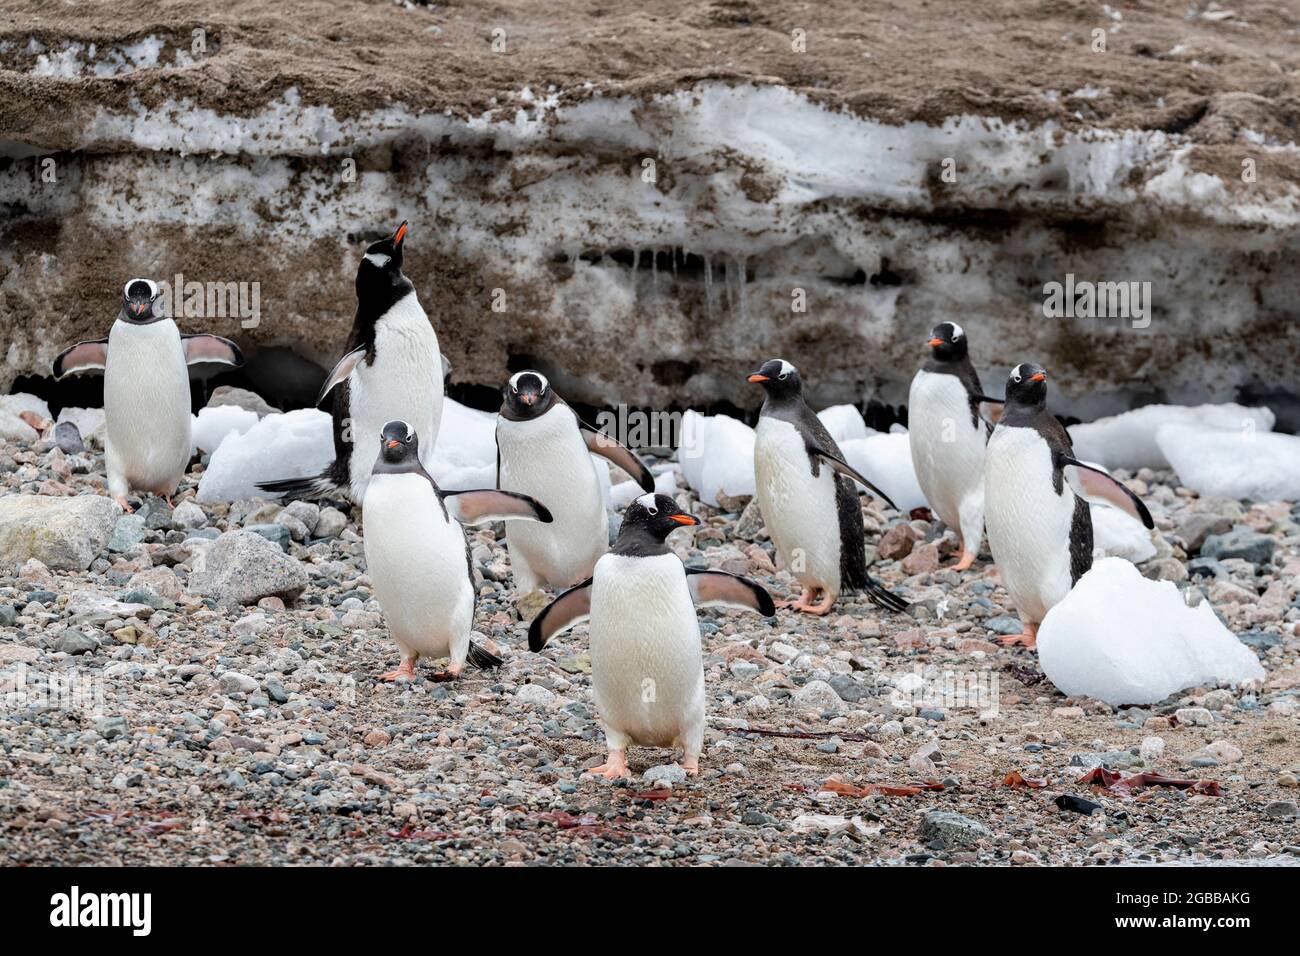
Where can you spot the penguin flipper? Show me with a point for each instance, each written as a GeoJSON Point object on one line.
{"type": "Point", "coordinates": [844, 468]}
{"type": "Point", "coordinates": [211, 348]}
{"type": "Point", "coordinates": [82, 357]}
{"type": "Point", "coordinates": [482, 658]}
{"type": "Point", "coordinates": [340, 372]}
{"type": "Point", "coordinates": [598, 443]}
{"type": "Point", "coordinates": [485, 505]}
{"type": "Point", "coordinates": [723, 589]}
{"type": "Point", "coordinates": [1099, 483]}
{"type": "Point", "coordinates": [567, 611]}
{"type": "Point", "coordinates": [330, 483]}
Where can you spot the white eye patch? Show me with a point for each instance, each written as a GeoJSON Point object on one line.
{"type": "Point", "coordinates": [378, 258]}
{"type": "Point", "coordinates": [786, 368]}
{"type": "Point", "coordinates": [514, 379]}
{"type": "Point", "coordinates": [648, 502]}
{"type": "Point", "coordinates": [1016, 373]}
{"type": "Point", "coordinates": [153, 288]}
{"type": "Point", "coordinates": [957, 332]}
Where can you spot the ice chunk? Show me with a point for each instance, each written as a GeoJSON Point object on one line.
{"type": "Point", "coordinates": [20, 402]}
{"type": "Point", "coordinates": [295, 444]}
{"type": "Point", "coordinates": [844, 422]}
{"type": "Point", "coordinates": [1129, 440]}
{"type": "Point", "coordinates": [1246, 463]}
{"type": "Point", "coordinates": [716, 456]}
{"type": "Point", "coordinates": [1124, 639]}
{"type": "Point", "coordinates": [886, 461]}
{"type": "Point", "coordinates": [625, 492]}
{"type": "Point", "coordinates": [1118, 535]}
{"type": "Point", "coordinates": [465, 454]}
{"type": "Point", "coordinates": [214, 423]}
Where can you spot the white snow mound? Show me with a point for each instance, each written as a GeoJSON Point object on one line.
{"type": "Point", "coordinates": [1118, 535]}
{"type": "Point", "coordinates": [626, 492]}
{"type": "Point", "coordinates": [1245, 463]}
{"type": "Point", "coordinates": [465, 454]}
{"type": "Point", "coordinates": [886, 461]}
{"type": "Point", "coordinates": [1129, 440]}
{"type": "Point", "coordinates": [295, 444]}
{"type": "Point", "coordinates": [1124, 639]}
{"type": "Point", "coordinates": [716, 456]}
{"type": "Point", "coordinates": [845, 423]}
{"type": "Point", "coordinates": [212, 424]}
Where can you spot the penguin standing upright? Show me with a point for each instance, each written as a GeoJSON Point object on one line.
{"type": "Point", "coordinates": [146, 391]}
{"type": "Point", "coordinates": [391, 369]}
{"type": "Point", "coordinates": [947, 437]}
{"type": "Point", "coordinates": [807, 497]}
{"type": "Point", "coordinates": [544, 450]}
{"type": "Point", "coordinates": [1040, 531]}
{"type": "Point", "coordinates": [647, 671]}
{"type": "Point", "coordinates": [417, 555]}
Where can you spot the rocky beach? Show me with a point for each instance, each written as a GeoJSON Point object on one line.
{"type": "Point", "coordinates": [197, 685]}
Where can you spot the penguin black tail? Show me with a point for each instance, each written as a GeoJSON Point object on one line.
{"type": "Point", "coordinates": [481, 657]}
{"type": "Point", "coordinates": [324, 485]}
{"type": "Point", "coordinates": [882, 597]}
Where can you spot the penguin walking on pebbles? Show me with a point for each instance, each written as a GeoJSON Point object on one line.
{"type": "Point", "coordinates": [647, 672]}
{"type": "Point", "coordinates": [417, 555]}
{"type": "Point", "coordinates": [544, 450]}
{"type": "Point", "coordinates": [1040, 531]}
{"type": "Point", "coordinates": [807, 497]}
{"type": "Point", "coordinates": [947, 437]}
{"type": "Point", "coordinates": [391, 369]}
{"type": "Point", "coordinates": [145, 363]}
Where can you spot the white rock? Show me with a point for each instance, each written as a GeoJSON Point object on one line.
{"type": "Point", "coordinates": [1124, 639]}
{"type": "Point", "coordinates": [845, 423]}
{"type": "Point", "coordinates": [1129, 440]}
{"type": "Point", "coordinates": [1245, 463]}
{"type": "Point", "coordinates": [886, 461]}
{"type": "Point", "coordinates": [188, 515]}
{"type": "Point", "coordinates": [214, 423]}
{"type": "Point", "coordinates": [1152, 749]}
{"type": "Point", "coordinates": [535, 694]}
{"type": "Point", "coordinates": [291, 445]}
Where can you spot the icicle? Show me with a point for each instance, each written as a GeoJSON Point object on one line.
{"type": "Point", "coordinates": [708, 284]}
{"type": "Point", "coordinates": [728, 280]}
{"type": "Point", "coordinates": [674, 251]}
{"type": "Point", "coordinates": [654, 272]}
{"type": "Point", "coordinates": [742, 262]}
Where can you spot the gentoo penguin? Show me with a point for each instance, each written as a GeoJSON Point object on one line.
{"type": "Point", "coordinates": [807, 497]}
{"type": "Point", "coordinates": [1040, 531]}
{"type": "Point", "coordinates": [947, 437]}
{"type": "Point", "coordinates": [146, 390]}
{"type": "Point", "coordinates": [544, 450]}
{"type": "Point", "coordinates": [647, 672]}
{"type": "Point", "coordinates": [417, 555]}
{"type": "Point", "coordinates": [391, 369]}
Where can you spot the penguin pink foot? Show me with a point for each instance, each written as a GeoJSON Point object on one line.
{"type": "Point", "coordinates": [967, 559]}
{"type": "Point", "coordinates": [615, 766]}
{"type": "Point", "coordinates": [820, 609]}
{"type": "Point", "coordinates": [801, 602]}
{"type": "Point", "coordinates": [1029, 638]}
{"type": "Point", "coordinates": [123, 504]}
{"type": "Point", "coordinates": [691, 764]}
{"type": "Point", "coordinates": [405, 669]}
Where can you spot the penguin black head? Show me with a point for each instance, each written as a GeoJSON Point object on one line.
{"type": "Point", "coordinates": [647, 522]}
{"type": "Point", "coordinates": [140, 304]}
{"type": "Point", "coordinates": [398, 443]}
{"type": "Point", "coordinates": [380, 271]}
{"type": "Point", "coordinates": [527, 395]}
{"type": "Point", "coordinates": [948, 342]}
{"type": "Point", "coordinates": [779, 379]}
{"type": "Point", "coordinates": [1027, 384]}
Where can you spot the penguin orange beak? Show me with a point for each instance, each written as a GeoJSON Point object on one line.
{"type": "Point", "coordinates": [685, 519]}
{"type": "Point", "coordinates": [1038, 377]}
{"type": "Point", "coordinates": [138, 307]}
{"type": "Point", "coordinates": [528, 398]}
{"type": "Point", "coordinates": [758, 377]}
{"type": "Point", "coordinates": [393, 443]}
{"type": "Point", "coordinates": [399, 235]}
{"type": "Point", "coordinates": [936, 342]}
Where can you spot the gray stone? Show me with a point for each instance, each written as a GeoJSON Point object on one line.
{"type": "Point", "coordinates": [665, 775]}
{"type": "Point", "coordinates": [818, 697]}
{"type": "Point", "coordinates": [72, 641]}
{"type": "Point", "coordinates": [952, 829]}
{"type": "Point", "coordinates": [1260, 639]}
{"type": "Point", "coordinates": [128, 531]}
{"type": "Point", "coordinates": [65, 534]}
{"type": "Point", "coordinates": [307, 513]}
{"type": "Point", "coordinates": [276, 533]}
{"type": "Point", "coordinates": [8, 615]}
{"type": "Point", "coordinates": [242, 567]}
{"type": "Point", "coordinates": [232, 682]}
{"type": "Point", "coordinates": [1240, 543]}
{"type": "Point", "coordinates": [1197, 527]}
{"type": "Point", "coordinates": [187, 515]}
{"type": "Point", "coordinates": [68, 438]}
{"type": "Point", "coordinates": [848, 689]}
{"type": "Point", "coordinates": [157, 514]}
{"type": "Point", "coordinates": [90, 607]}
{"type": "Point", "coordinates": [1004, 625]}
{"type": "Point", "coordinates": [330, 523]}
{"type": "Point", "coordinates": [750, 521]}
{"type": "Point", "coordinates": [110, 727]}
{"type": "Point", "coordinates": [240, 398]}
{"type": "Point", "coordinates": [535, 694]}
{"type": "Point", "coordinates": [1281, 810]}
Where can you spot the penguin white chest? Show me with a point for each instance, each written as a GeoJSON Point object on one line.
{"type": "Point", "coordinates": [799, 510]}
{"type": "Point", "coordinates": [404, 383]}
{"type": "Point", "coordinates": [1028, 521]}
{"type": "Point", "coordinates": [947, 447]}
{"type": "Point", "coordinates": [416, 561]}
{"type": "Point", "coordinates": [547, 459]}
{"type": "Point", "coordinates": [646, 666]}
{"type": "Point", "coordinates": [146, 407]}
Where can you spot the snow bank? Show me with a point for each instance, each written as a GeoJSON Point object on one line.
{"type": "Point", "coordinates": [716, 456]}
{"type": "Point", "coordinates": [1118, 535]}
{"type": "Point", "coordinates": [1129, 440]}
{"type": "Point", "coordinates": [214, 423]}
{"type": "Point", "coordinates": [1244, 463]}
{"type": "Point", "coordinates": [886, 460]}
{"type": "Point", "coordinates": [1123, 639]}
{"type": "Point", "coordinates": [465, 454]}
{"type": "Point", "coordinates": [845, 423]}
{"type": "Point", "coordinates": [295, 444]}
{"type": "Point", "coordinates": [625, 492]}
